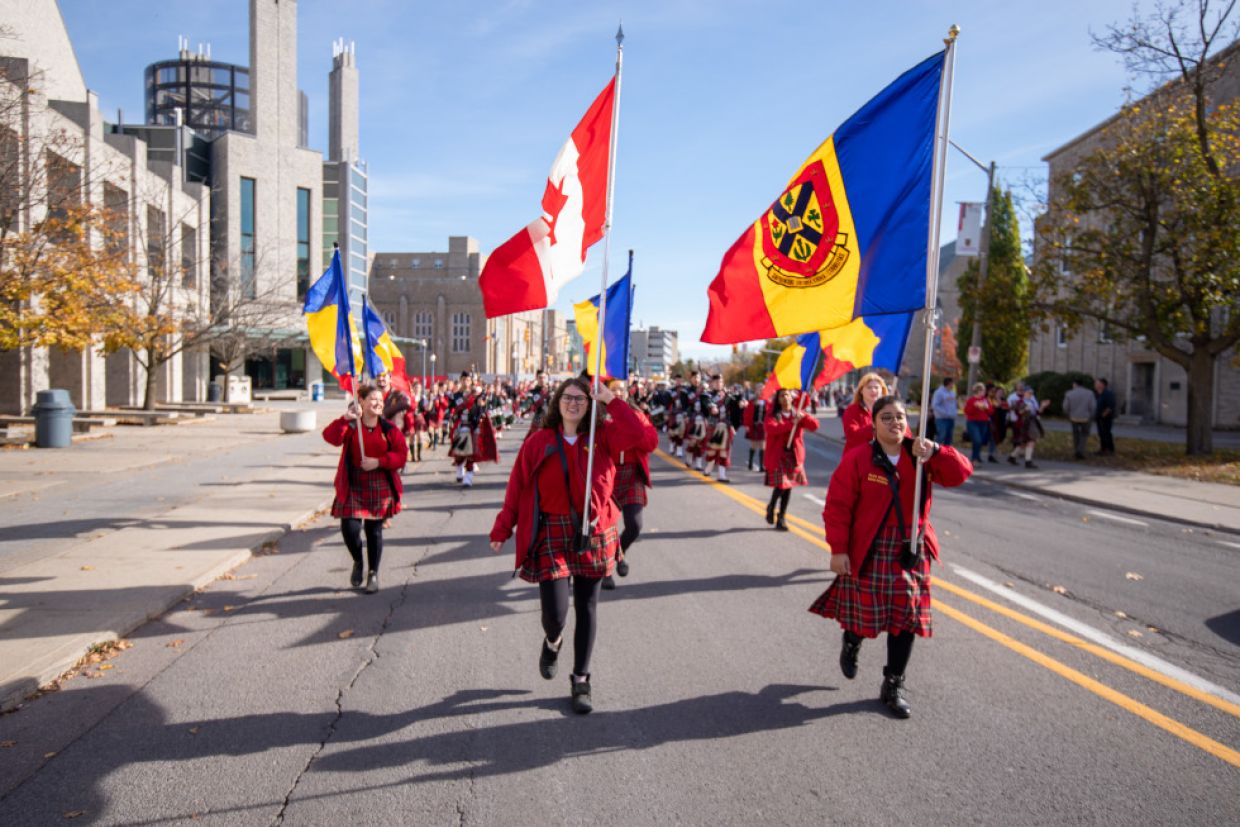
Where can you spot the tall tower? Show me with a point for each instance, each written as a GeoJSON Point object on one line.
{"type": "Point", "coordinates": [342, 130]}
{"type": "Point", "coordinates": [273, 70]}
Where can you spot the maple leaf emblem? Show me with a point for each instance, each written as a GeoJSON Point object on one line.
{"type": "Point", "coordinates": [553, 202]}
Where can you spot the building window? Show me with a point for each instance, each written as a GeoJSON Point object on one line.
{"type": "Point", "coordinates": [155, 236]}
{"type": "Point", "coordinates": [303, 242]}
{"type": "Point", "coordinates": [249, 287]}
{"type": "Point", "coordinates": [423, 325]}
{"type": "Point", "coordinates": [1065, 263]}
{"type": "Point", "coordinates": [438, 264]}
{"type": "Point", "coordinates": [189, 256]}
{"type": "Point", "coordinates": [460, 333]}
{"type": "Point", "coordinates": [389, 319]}
{"type": "Point", "coordinates": [116, 205]}
{"type": "Point", "coordinates": [417, 262]}
{"type": "Point", "coordinates": [1061, 336]}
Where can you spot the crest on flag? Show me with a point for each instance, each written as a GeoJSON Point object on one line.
{"type": "Point", "coordinates": [802, 244]}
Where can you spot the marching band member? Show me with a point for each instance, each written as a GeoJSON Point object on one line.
{"type": "Point", "coordinates": [695, 439]}
{"type": "Point", "coordinates": [755, 419]}
{"type": "Point", "coordinates": [544, 503]}
{"type": "Point", "coordinates": [473, 439]}
{"type": "Point", "coordinates": [881, 585]}
{"type": "Point", "coordinates": [785, 464]}
{"type": "Point", "coordinates": [632, 480]}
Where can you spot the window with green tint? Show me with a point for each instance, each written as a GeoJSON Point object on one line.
{"type": "Point", "coordinates": [249, 286]}
{"type": "Point", "coordinates": [303, 242]}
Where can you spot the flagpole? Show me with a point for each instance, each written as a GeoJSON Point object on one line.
{"type": "Point", "coordinates": [602, 296]}
{"type": "Point", "coordinates": [941, 137]}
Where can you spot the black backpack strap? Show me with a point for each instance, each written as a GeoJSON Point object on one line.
{"type": "Point", "coordinates": [568, 490]}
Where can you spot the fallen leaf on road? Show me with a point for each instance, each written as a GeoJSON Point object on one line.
{"type": "Point", "coordinates": [76, 813]}
{"type": "Point", "coordinates": [253, 576]}
{"type": "Point", "coordinates": [1121, 614]}
{"type": "Point", "coordinates": [1153, 629]}
{"type": "Point", "coordinates": [110, 666]}
{"type": "Point", "coordinates": [1132, 575]}
{"type": "Point", "coordinates": [231, 608]}
{"type": "Point", "coordinates": [176, 643]}
{"type": "Point", "coordinates": [1059, 590]}
{"type": "Point", "coordinates": [1083, 519]}
{"type": "Point", "coordinates": [1007, 583]}
{"type": "Point", "coordinates": [348, 633]}
{"type": "Point", "coordinates": [11, 744]}
{"type": "Point", "coordinates": [53, 755]}
{"type": "Point", "coordinates": [92, 568]}
{"type": "Point", "coordinates": [484, 628]}
{"type": "Point", "coordinates": [194, 730]}
{"type": "Point", "coordinates": [228, 575]}
{"type": "Point", "coordinates": [1134, 633]}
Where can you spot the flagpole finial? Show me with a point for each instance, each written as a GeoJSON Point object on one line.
{"type": "Point", "coordinates": [335, 245]}
{"type": "Point", "coordinates": [952, 34]}
{"type": "Point", "coordinates": [620, 36]}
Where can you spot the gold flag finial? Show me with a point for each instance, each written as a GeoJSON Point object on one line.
{"type": "Point", "coordinates": [952, 33]}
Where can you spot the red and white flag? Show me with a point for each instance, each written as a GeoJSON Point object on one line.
{"type": "Point", "coordinates": [527, 271]}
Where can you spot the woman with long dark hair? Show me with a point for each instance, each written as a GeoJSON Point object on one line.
{"type": "Point", "coordinates": [881, 585]}
{"type": "Point", "coordinates": [544, 503]}
{"type": "Point", "coordinates": [785, 454]}
{"type": "Point", "coordinates": [368, 487]}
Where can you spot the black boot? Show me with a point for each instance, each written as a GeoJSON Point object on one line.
{"type": "Point", "coordinates": [892, 694]}
{"type": "Point", "coordinates": [355, 579]}
{"type": "Point", "coordinates": [372, 582]}
{"type": "Point", "coordinates": [781, 524]}
{"type": "Point", "coordinates": [582, 704]}
{"type": "Point", "coordinates": [848, 657]}
{"type": "Point", "coordinates": [547, 660]}
{"type": "Point", "coordinates": [609, 583]}
{"type": "Point", "coordinates": [770, 513]}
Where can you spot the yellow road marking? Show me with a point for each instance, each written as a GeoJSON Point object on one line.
{"type": "Point", "coordinates": [1137, 708]}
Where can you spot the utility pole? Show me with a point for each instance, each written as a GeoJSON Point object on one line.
{"type": "Point", "coordinates": [975, 340]}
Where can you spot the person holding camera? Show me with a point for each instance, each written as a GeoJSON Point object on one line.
{"type": "Point", "coordinates": [545, 502]}
{"type": "Point", "coordinates": [881, 585]}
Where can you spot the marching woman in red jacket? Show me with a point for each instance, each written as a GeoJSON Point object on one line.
{"type": "Point", "coordinates": [858, 423]}
{"type": "Point", "coordinates": [544, 503]}
{"type": "Point", "coordinates": [632, 480]}
{"type": "Point", "coordinates": [785, 465]}
{"type": "Point", "coordinates": [880, 586]}
{"type": "Point", "coordinates": [368, 488]}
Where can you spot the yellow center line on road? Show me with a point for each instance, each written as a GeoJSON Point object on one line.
{"type": "Point", "coordinates": [1137, 708]}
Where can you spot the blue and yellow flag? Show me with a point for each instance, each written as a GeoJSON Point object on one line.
{"type": "Point", "coordinates": [847, 236]}
{"type": "Point", "coordinates": [333, 336]}
{"type": "Point", "coordinates": [815, 359]}
{"type": "Point", "coordinates": [615, 338]}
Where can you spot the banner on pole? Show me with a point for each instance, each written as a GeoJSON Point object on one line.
{"type": "Point", "coordinates": [969, 229]}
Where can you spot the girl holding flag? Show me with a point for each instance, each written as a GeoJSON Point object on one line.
{"type": "Point", "coordinates": [785, 454]}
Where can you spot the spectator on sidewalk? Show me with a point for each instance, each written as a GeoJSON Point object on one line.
{"type": "Point", "coordinates": [858, 425]}
{"type": "Point", "coordinates": [977, 410]}
{"type": "Point", "coordinates": [943, 407]}
{"type": "Point", "coordinates": [999, 409]}
{"type": "Point", "coordinates": [1105, 416]}
{"type": "Point", "coordinates": [1079, 405]}
{"type": "Point", "coordinates": [368, 486]}
{"type": "Point", "coordinates": [1027, 429]}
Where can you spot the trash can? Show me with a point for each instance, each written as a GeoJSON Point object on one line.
{"type": "Point", "coordinates": [316, 391]}
{"type": "Point", "coordinates": [215, 392]}
{"type": "Point", "coordinates": [53, 419]}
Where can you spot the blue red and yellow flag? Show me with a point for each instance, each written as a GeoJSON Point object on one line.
{"type": "Point", "coordinates": [381, 353]}
{"type": "Point", "coordinates": [615, 339]}
{"type": "Point", "coordinates": [847, 236]}
{"type": "Point", "coordinates": [333, 336]}
{"type": "Point", "coordinates": [816, 359]}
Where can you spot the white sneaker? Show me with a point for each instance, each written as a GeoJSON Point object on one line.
{"type": "Point", "coordinates": [469, 479]}
{"type": "Point", "coordinates": [460, 473]}
{"type": "Point", "coordinates": [700, 464]}
{"type": "Point", "coordinates": [723, 474]}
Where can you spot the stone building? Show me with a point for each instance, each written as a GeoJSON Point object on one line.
{"type": "Point", "coordinates": [1149, 387]}
{"type": "Point", "coordinates": [57, 133]}
{"type": "Point", "coordinates": [653, 350]}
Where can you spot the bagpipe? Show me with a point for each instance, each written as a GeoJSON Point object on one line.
{"type": "Point", "coordinates": [658, 415]}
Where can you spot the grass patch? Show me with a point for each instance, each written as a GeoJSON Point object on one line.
{"type": "Point", "coordinates": [1149, 456]}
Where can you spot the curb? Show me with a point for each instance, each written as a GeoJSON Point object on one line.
{"type": "Point", "coordinates": [1076, 498]}
{"type": "Point", "coordinates": [14, 694]}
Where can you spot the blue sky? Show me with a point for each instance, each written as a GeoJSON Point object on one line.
{"type": "Point", "coordinates": [464, 106]}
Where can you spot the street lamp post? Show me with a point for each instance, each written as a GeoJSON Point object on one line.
{"type": "Point", "coordinates": [975, 341]}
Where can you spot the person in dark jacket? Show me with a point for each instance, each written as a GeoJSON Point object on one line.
{"type": "Point", "coordinates": [868, 516]}
{"type": "Point", "coordinates": [368, 486]}
{"type": "Point", "coordinates": [1104, 415]}
{"type": "Point", "coordinates": [544, 503]}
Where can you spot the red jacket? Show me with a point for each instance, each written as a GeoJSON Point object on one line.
{"type": "Point", "coordinates": [342, 432]}
{"type": "Point", "coordinates": [858, 426]}
{"type": "Point", "coordinates": [641, 454]}
{"type": "Point", "coordinates": [520, 510]}
{"type": "Point", "coordinates": [859, 495]}
{"type": "Point", "coordinates": [777, 429]}
{"type": "Point", "coordinates": [978, 409]}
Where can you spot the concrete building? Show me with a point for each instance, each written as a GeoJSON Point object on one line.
{"type": "Point", "coordinates": [1149, 387]}
{"type": "Point", "coordinates": [63, 153]}
{"type": "Point", "coordinates": [345, 177]}
{"type": "Point", "coordinates": [653, 350]}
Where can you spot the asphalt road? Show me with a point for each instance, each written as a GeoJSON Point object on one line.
{"type": "Point", "coordinates": [280, 697]}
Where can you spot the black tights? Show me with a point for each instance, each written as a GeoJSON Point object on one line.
{"type": "Point", "coordinates": [899, 649]}
{"type": "Point", "coordinates": [761, 457]}
{"type": "Point", "coordinates": [780, 495]}
{"type": "Point", "coordinates": [351, 528]}
{"type": "Point", "coordinates": [632, 525]}
{"type": "Point", "coordinates": [553, 595]}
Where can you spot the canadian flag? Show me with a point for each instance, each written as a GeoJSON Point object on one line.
{"type": "Point", "coordinates": [527, 271]}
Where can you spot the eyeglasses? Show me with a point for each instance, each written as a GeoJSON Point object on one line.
{"type": "Point", "coordinates": [888, 419]}
{"type": "Point", "coordinates": [574, 399]}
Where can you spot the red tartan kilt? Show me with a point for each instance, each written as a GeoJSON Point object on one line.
{"type": "Point", "coordinates": [789, 474]}
{"type": "Point", "coordinates": [756, 434]}
{"type": "Point", "coordinates": [883, 597]}
{"type": "Point", "coordinates": [629, 488]}
{"type": "Point", "coordinates": [370, 499]}
{"type": "Point", "coordinates": [554, 557]}
{"type": "Point", "coordinates": [419, 423]}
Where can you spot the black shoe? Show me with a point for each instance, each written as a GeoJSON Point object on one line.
{"type": "Point", "coordinates": [991, 458]}
{"type": "Point", "coordinates": [581, 697]}
{"type": "Point", "coordinates": [355, 579]}
{"type": "Point", "coordinates": [1013, 461]}
{"type": "Point", "coordinates": [770, 514]}
{"type": "Point", "coordinates": [1029, 464]}
{"type": "Point", "coordinates": [892, 694]}
{"type": "Point", "coordinates": [622, 567]}
{"type": "Point", "coordinates": [781, 524]}
{"type": "Point", "coordinates": [547, 660]}
{"type": "Point", "coordinates": [372, 583]}
{"type": "Point", "coordinates": [848, 657]}
{"type": "Point", "coordinates": [609, 584]}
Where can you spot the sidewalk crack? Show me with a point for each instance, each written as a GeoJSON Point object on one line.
{"type": "Point", "coordinates": [372, 656]}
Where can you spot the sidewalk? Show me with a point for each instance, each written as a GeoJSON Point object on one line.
{"type": "Point", "coordinates": [1201, 504]}
{"type": "Point", "coordinates": [92, 580]}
